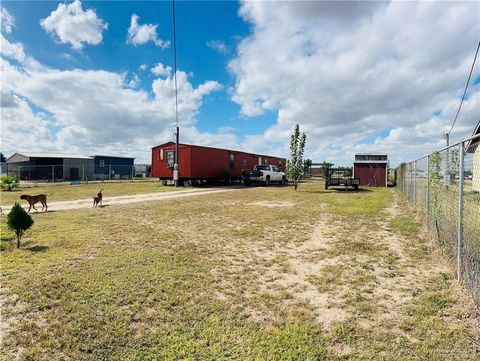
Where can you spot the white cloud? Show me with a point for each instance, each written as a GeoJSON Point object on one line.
{"type": "Point", "coordinates": [6, 20]}
{"type": "Point", "coordinates": [143, 67]}
{"type": "Point", "coordinates": [12, 50]}
{"type": "Point", "coordinates": [141, 34]}
{"type": "Point", "coordinates": [94, 111]}
{"type": "Point", "coordinates": [346, 71]}
{"type": "Point", "coordinates": [21, 126]}
{"type": "Point", "coordinates": [71, 25]}
{"type": "Point", "coordinates": [134, 81]}
{"type": "Point", "coordinates": [217, 45]}
{"type": "Point", "coordinates": [161, 70]}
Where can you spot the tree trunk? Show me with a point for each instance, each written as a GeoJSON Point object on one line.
{"type": "Point", "coordinates": [295, 185]}
{"type": "Point", "coordinates": [19, 235]}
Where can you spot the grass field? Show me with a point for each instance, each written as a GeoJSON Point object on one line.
{"type": "Point", "coordinates": [257, 274]}
{"type": "Point", "coordinates": [67, 192]}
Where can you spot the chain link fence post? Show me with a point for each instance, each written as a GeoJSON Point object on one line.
{"type": "Point", "coordinates": [415, 183]}
{"type": "Point", "coordinates": [427, 193]}
{"type": "Point", "coordinates": [460, 213]}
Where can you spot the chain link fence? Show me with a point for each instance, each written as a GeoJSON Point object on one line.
{"type": "Point", "coordinates": [62, 173]}
{"type": "Point", "coordinates": [445, 188]}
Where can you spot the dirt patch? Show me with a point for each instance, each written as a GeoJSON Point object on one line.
{"type": "Point", "coordinates": [272, 204]}
{"type": "Point", "coordinates": [365, 271]}
{"type": "Point", "coordinates": [111, 201]}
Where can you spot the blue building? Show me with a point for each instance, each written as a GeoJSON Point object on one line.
{"type": "Point", "coordinates": [111, 167]}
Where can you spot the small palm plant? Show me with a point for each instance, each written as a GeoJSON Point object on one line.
{"type": "Point", "coordinates": [8, 183]}
{"type": "Point", "coordinates": [18, 220]}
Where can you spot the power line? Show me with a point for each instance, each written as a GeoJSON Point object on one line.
{"type": "Point", "coordinates": [466, 86]}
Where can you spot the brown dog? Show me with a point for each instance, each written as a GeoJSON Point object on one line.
{"type": "Point", "coordinates": [98, 199]}
{"type": "Point", "coordinates": [32, 200]}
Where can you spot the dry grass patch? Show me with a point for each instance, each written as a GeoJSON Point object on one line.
{"type": "Point", "coordinates": [67, 192]}
{"type": "Point", "coordinates": [215, 277]}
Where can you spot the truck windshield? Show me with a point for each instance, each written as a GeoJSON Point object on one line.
{"type": "Point", "coordinates": [262, 167]}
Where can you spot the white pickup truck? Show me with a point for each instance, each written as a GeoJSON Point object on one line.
{"type": "Point", "coordinates": [264, 174]}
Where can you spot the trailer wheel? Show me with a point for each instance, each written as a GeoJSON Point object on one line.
{"type": "Point", "coordinates": [267, 181]}
{"type": "Point", "coordinates": [356, 187]}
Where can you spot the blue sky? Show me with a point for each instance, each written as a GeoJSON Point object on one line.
{"type": "Point", "coordinates": [349, 73]}
{"type": "Point", "coordinates": [197, 24]}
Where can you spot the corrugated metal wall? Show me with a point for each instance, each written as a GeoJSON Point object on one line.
{"type": "Point", "coordinates": [83, 166]}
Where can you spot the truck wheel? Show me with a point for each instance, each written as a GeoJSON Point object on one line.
{"type": "Point", "coordinates": [283, 181]}
{"type": "Point", "coordinates": [267, 181]}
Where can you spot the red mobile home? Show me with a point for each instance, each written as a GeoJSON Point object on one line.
{"type": "Point", "coordinates": [371, 169]}
{"type": "Point", "coordinates": [206, 163]}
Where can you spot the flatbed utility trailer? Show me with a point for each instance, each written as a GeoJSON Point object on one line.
{"type": "Point", "coordinates": [340, 177]}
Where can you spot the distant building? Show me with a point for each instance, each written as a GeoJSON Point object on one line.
{"type": "Point", "coordinates": [143, 170]}
{"type": "Point", "coordinates": [49, 166]}
{"type": "Point", "coordinates": [371, 169]}
{"type": "Point", "coordinates": [113, 167]}
{"type": "Point", "coordinates": [474, 148]}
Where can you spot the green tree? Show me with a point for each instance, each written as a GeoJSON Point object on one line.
{"type": "Point", "coordinates": [18, 220]}
{"type": "Point", "coordinates": [295, 164]}
{"type": "Point", "coordinates": [8, 183]}
{"type": "Point", "coordinates": [325, 167]}
{"type": "Point", "coordinates": [307, 164]}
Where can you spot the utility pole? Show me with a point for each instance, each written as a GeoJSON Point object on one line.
{"type": "Point", "coordinates": [177, 132]}
{"type": "Point", "coordinates": [446, 135]}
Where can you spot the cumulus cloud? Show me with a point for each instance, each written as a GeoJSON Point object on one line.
{"type": "Point", "coordinates": [134, 81]}
{"type": "Point", "coordinates": [349, 71]}
{"type": "Point", "coordinates": [7, 21]}
{"type": "Point", "coordinates": [72, 25]}
{"type": "Point", "coordinates": [217, 45]}
{"type": "Point", "coordinates": [142, 34]}
{"type": "Point", "coordinates": [161, 70]}
{"type": "Point", "coordinates": [20, 125]}
{"type": "Point", "coordinates": [94, 111]}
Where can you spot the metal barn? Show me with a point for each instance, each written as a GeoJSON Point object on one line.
{"type": "Point", "coordinates": [50, 166]}
{"type": "Point", "coordinates": [113, 167]}
{"type": "Point", "coordinates": [206, 163]}
{"type": "Point", "coordinates": [371, 169]}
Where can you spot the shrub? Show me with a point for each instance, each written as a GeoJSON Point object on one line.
{"type": "Point", "coordinates": [18, 220]}
{"type": "Point", "coordinates": [8, 183]}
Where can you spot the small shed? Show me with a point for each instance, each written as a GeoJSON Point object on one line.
{"type": "Point", "coordinates": [49, 166]}
{"type": "Point", "coordinates": [113, 167]}
{"type": "Point", "coordinates": [371, 169]}
{"type": "Point", "coordinates": [474, 149]}
{"type": "Point", "coordinates": [206, 163]}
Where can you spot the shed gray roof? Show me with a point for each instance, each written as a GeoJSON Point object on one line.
{"type": "Point", "coordinates": [47, 155]}
{"type": "Point", "coordinates": [472, 144]}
